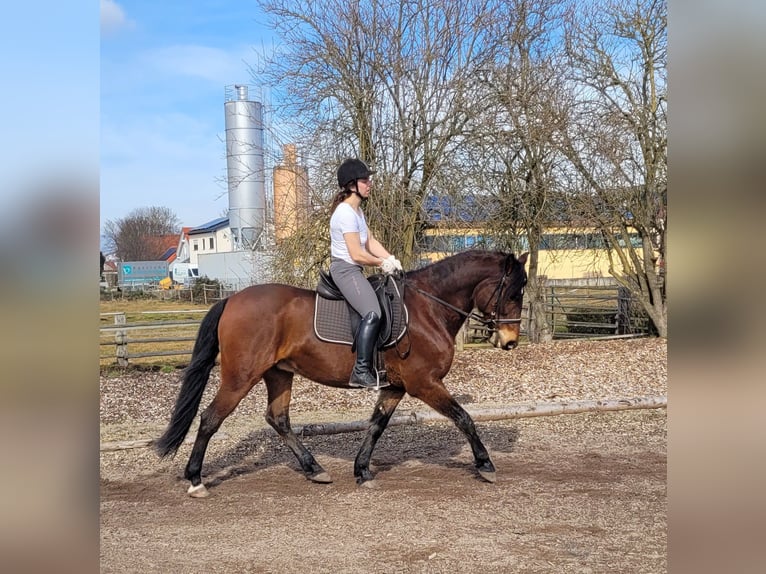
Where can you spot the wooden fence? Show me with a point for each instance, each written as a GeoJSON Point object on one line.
{"type": "Point", "coordinates": [573, 311]}
{"type": "Point", "coordinates": [176, 337]}
{"type": "Point", "coordinates": [197, 293]}
{"type": "Point", "coordinates": [579, 311]}
{"type": "Point", "coordinates": [587, 311]}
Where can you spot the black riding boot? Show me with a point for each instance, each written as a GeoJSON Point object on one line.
{"type": "Point", "coordinates": [363, 373]}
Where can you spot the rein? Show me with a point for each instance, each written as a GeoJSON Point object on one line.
{"type": "Point", "coordinates": [490, 323]}
{"type": "Point", "coordinates": [455, 309]}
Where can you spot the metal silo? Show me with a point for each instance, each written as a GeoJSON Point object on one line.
{"type": "Point", "coordinates": [245, 168]}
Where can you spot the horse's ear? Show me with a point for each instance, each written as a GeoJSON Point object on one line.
{"type": "Point", "coordinates": [523, 258]}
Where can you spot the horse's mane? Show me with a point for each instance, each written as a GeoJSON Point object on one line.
{"type": "Point", "coordinates": [449, 265]}
{"type": "Point", "coordinates": [444, 271]}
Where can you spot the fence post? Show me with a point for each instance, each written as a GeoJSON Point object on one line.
{"type": "Point", "coordinates": [623, 311]}
{"type": "Point", "coordinates": [121, 341]}
{"type": "Point", "coordinates": [460, 338]}
{"type": "Point", "coordinates": [553, 310]}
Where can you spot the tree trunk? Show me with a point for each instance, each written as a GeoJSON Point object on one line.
{"type": "Point", "coordinates": [539, 330]}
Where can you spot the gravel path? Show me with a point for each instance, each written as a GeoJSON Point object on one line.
{"type": "Point", "coordinates": [137, 404]}
{"type": "Point", "coordinates": [583, 493]}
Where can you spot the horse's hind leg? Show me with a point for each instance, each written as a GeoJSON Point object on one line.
{"type": "Point", "coordinates": [388, 400]}
{"type": "Point", "coordinates": [229, 394]}
{"type": "Point", "coordinates": [279, 384]}
{"type": "Point", "coordinates": [438, 398]}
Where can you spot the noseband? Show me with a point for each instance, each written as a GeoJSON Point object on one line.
{"type": "Point", "coordinates": [493, 322]}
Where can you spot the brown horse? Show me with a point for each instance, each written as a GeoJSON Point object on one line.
{"type": "Point", "coordinates": [266, 332]}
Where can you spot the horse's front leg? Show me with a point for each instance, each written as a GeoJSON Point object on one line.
{"type": "Point", "coordinates": [388, 400]}
{"type": "Point", "coordinates": [279, 387]}
{"type": "Point", "coordinates": [438, 397]}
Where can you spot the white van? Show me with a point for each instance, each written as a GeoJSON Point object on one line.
{"type": "Point", "coordinates": [184, 273]}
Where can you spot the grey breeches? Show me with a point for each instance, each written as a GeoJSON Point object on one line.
{"type": "Point", "coordinates": [354, 286]}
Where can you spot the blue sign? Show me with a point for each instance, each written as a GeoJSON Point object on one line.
{"type": "Point", "coordinates": [141, 272]}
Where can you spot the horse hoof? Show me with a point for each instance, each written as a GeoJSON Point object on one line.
{"type": "Point", "coordinates": [198, 491]}
{"type": "Point", "coordinates": [489, 476]}
{"type": "Point", "coordinates": [321, 477]}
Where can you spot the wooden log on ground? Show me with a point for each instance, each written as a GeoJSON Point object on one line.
{"type": "Point", "coordinates": [125, 444]}
{"type": "Point", "coordinates": [141, 443]}
{"type": "Point", "coordinates": [496, 414]}
{"type": "Point", "coordinates": [478, 415]}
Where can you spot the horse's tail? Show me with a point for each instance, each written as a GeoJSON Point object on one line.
{"type": "Point", "coordinates": [194, 382]}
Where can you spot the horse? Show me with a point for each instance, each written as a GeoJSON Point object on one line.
{"type": "Point", "coordinates": [265, 332]}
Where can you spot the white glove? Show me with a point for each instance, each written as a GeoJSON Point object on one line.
{"type": "Point", "coordinates": [397, 263]}
{"type": "Point", "coordinates": [388, 266]}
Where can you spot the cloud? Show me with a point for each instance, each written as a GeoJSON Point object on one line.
{"type": "Point", "coordinates": [113, 17]}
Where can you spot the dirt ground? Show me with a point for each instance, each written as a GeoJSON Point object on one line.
{"type": "Point", "coordinates": [578, 493]}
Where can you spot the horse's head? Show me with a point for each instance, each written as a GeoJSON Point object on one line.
{"type": "Point", "coordinates": [499, 299]}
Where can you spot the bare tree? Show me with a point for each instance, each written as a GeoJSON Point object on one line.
{"type": "Point", "coordinates": [301, 254]}
{"type": "Point", "coordinates": [140, 235]}
{"type": "Point", "coordinates": [615, 139]}
{"type": "Point", "coordinates": [386, 82]}
{"type": "Point", "coordinates": [523, 84]}
{"type": "Point", "coordinates": [494, 101]}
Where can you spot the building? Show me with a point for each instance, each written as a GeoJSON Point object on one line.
{"type": "Point", "coordinates": [208, 238]}
{"type": "Point", "coordinates": [291, 195]}
{"type": "Point", "coordinates": [569, 252]}
{"type": "Point", "coordinates": [211, 237]}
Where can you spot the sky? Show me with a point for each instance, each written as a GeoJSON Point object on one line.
{"type": "Point", "coordinates": [164, 68]}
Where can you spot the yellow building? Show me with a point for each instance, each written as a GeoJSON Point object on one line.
{"type": "Point", "coordinates": [565, 252]}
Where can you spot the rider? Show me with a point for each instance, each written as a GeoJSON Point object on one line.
{"type": "Point", "coordinates": [352, 246]}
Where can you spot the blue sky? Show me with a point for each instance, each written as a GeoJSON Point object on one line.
{"type": "Point", "coordinates": [164, 67]}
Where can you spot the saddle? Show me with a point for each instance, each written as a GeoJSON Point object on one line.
{"type": "Point", "coordinates": [335, 321]}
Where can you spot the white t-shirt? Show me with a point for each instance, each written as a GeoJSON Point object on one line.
{"type": "Point", "coordinates": [346, 220]}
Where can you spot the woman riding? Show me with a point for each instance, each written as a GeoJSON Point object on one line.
{"type": "Point", "coordinates": [352, 247]}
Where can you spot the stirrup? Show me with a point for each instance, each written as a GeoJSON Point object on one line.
{"type": "Point", "coordinates": [380, 382]}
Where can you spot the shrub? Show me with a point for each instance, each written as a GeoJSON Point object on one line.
{"type": "Point", "coordinates": [205, 286]}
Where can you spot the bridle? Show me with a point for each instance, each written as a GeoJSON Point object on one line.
{"type": "Point", "coordinates": [493, 322]}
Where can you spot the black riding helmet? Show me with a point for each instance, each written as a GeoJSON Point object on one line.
{"type": "Point", "coordinates": [351, 170]}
